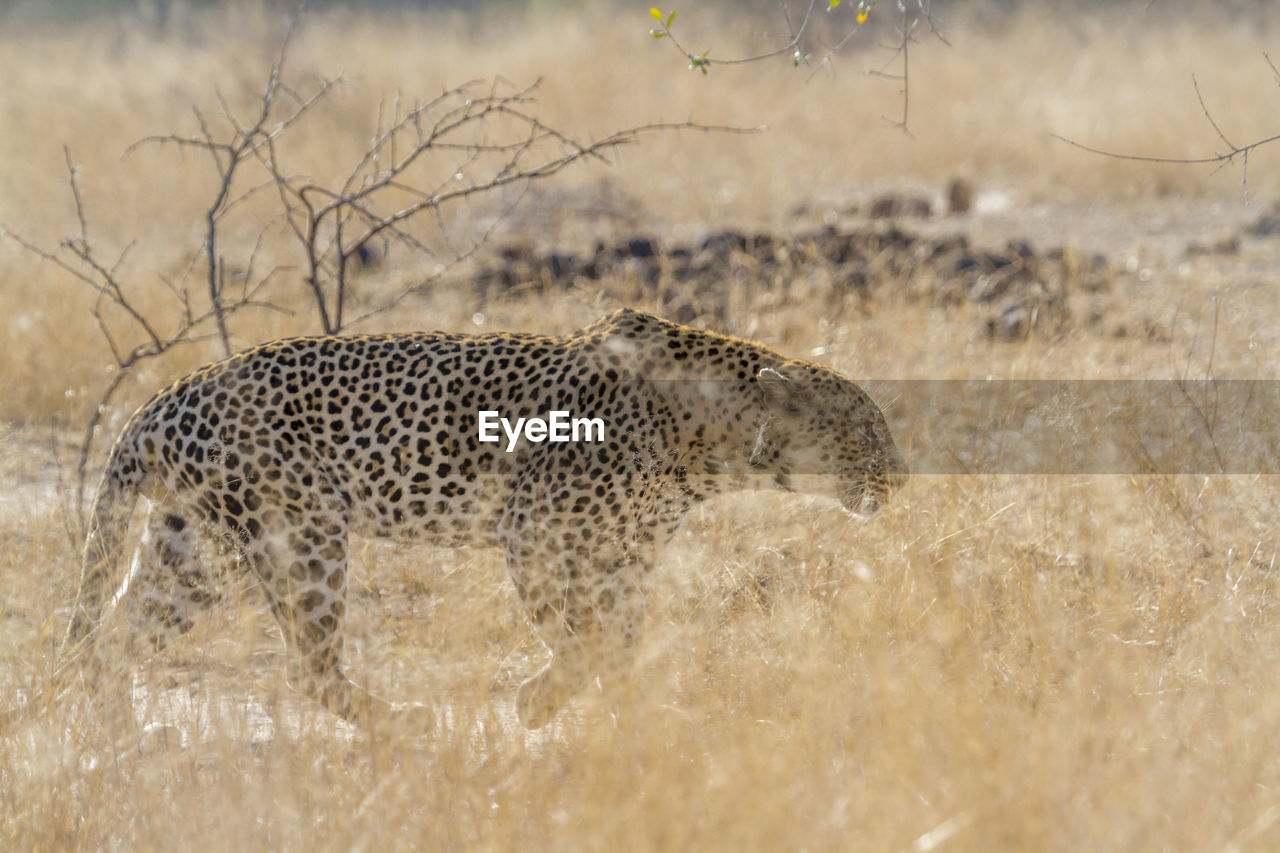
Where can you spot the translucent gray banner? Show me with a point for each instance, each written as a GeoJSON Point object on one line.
{"type": "Point", "coordinates": [1145, 426]}
{"type": "Point", "coordinates": [1084, 426]}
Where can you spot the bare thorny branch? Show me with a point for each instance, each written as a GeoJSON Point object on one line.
{"type": "Point", "coordinates": [228, 157]}
{"type": "Point", "coordinates": [85, 266]}
{"type": "Point", "coordinates": [1221, 160]}
{"type": "Point", "coordinates": [335, 225]}
{"type": "Point", "coordinates": [487, 134]}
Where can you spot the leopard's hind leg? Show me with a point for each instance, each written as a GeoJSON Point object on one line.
{"type": "Point", "coordinates": [176, 575]}
{"type": "Point", "coordinates": [298, 548]}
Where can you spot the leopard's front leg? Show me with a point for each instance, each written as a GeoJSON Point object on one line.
{"type": "Point", "coordinates": [586, 601]}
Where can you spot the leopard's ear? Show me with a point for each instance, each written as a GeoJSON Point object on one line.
{"type": "Point", "coordinates": [781, 393]}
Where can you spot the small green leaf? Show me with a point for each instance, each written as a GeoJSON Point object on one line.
{"type": "Point", "coordinates": [834, 3]}
{"type": "Point", "coordinates": [670, 18]}
{"type": "Point", "coordinates": [656, 14]}
{"type": "Point", "coordinates": [657, 33]}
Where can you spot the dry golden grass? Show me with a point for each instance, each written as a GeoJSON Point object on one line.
{"type": "Point", "coordinates": [1015, 663]}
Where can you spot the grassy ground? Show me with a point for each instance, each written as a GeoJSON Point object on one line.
{"type": "Point", "coordinates": [1025, 663]}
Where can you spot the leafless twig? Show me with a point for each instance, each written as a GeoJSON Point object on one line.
{"type": "Point", "coordinates": [663, 30]}
{"type": "Point", "coordinates": [1184, 161]}
{"type": "Point", "coordinates": [912, 15]}
{"type": "Point", "coordinates": [1233, 151]}
{"type": "Point", "coordinates": [84, 265]}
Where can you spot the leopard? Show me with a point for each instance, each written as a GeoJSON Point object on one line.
{"type": "Point", "coordinates": [281, 453]}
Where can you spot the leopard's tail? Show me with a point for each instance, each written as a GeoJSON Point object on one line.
{"type": "Point", "coordinates": [125, 479]}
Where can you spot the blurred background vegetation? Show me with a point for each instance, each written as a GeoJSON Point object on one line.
{"type": "Point", "coordinates": [162, 13]}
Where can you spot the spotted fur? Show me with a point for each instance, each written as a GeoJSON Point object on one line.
{"type": "Point", "coordinates": [285, 450]}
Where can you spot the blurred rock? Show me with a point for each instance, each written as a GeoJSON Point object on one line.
{"type": "Point", "coordinates": [895, 205]}
{"type": "Point", "coordinates": [1023, 289]}
{"type": "Point", "coordinates": [960, 194]}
